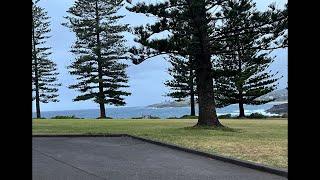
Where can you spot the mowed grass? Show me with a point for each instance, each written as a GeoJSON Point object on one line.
{"type": "Point", "coordinates": [260, 141]}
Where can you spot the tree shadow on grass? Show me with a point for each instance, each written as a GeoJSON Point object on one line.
{"type": "Point", "coordinates": [224, 129]}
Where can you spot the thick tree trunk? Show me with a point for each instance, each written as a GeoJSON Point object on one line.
{"type": "Point", "coordinates": [36, 78]}
{"type": "Point", "coordinates": [101, 93]}
{"type": "Point", "coordinates": [207, 108]}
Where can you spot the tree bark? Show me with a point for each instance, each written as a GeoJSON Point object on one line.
{"type": "Point", "coordinates": [101, 93]}
{"type": "Point", "coordinates": [207, 109]}
{"type": "Point", "coordinates": [191, 84]}
{"type": "Point", "coordinates": [102, 111]}
{"type": "Point", "coordinates": [241, 109]}
{"type": "Point", "coordinates": [37, 95]}
{"type": "Point", "coordinates": [240, 88]}
{"type": "Point", "coordinates": [36, 80]}
{"type": "Point", "coordinates": [192, 104]}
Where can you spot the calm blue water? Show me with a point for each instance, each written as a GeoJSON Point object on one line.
{"type": "Point", "coordinates": [129, 112]}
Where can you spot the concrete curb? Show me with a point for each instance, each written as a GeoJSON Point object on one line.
{"type": "Point", "coordinates": [272, 170]}
{"type": "Point", "coordinates": [251, 165]}
{"type": "Point", "coordinates": [80, 135]}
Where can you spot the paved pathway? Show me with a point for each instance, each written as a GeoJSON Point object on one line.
{"type": "Point", "coordinates": [124, 158]}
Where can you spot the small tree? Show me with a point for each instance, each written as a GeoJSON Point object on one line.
{"type": "Point", "coordinates": [99, 49]}
{"type": "Point", "coordinates": [247, 77]}
{"type": "Point", "coordinates": [44, 75]}
{"type": "Point", "coordinates": [183, 84]}
{"type": "Point", "coordinates": [248, 82]}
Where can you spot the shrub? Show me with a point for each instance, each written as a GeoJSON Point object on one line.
{"type": "Point", "coordinates": [153, 117]}
{"type": "Point", "coordinates": [173, 117]}
{"type": "Point", "coordinates": [225, 116]}
{"type": "Point", "coordinates": [146, 117]}
{"type": "Point", "coordinates": [257, 116]}
{"type": "Point", "coordinates": [137, 117]}
{"type": "Point", "coordinates": [65, 117]}
{"type": "Point", "coordinates": [188, 117]}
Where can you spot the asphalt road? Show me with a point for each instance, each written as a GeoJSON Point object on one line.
{"type": "Point", "coordinates": [124, 158]}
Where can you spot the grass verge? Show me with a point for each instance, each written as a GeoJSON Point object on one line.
{"type": "Point", "coordinates": [260, 141]}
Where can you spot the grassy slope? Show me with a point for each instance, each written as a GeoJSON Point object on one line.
{"type": "Point", "coordinates": [261, 141]}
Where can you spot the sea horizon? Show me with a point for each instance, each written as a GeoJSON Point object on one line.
{"type": "Point", "coordinates": [147, 106]}
{"type": "Point", "coordinates": [126, 112]}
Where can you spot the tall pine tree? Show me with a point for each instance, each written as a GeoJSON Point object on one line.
{"type": "Point", "coordinates": [44, 75]}
{"type": "Point", "coordinates": [183, 84]}
{"type": "Point", "coordinates": [201, 20]}
{"type": "Point", "coordinates": [183, 19]}
{"type": "Point", "coordinates": [248, 77]}
{"type": "Point", "coordinates": [100, 52]}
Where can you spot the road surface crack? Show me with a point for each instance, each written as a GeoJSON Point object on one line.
{"type": "Point", "coordinates": [70, 165]}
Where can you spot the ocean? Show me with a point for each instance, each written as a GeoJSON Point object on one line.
{"type": "Point", "coordinates": [130, 112]}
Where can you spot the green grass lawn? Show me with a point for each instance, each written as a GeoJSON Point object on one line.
{"type": "Point", "coordinates": [261, 141]}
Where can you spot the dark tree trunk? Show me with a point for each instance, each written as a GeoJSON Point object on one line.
{"type": "Point", "coordinates": [240, 88]}
{"type": "Point", "coordinates": [101, 93]}
{"type": "Point", "coordinates": [192, 103]}
{"type": "Point", "coordinates": [102, 111]}
{"type": "Point", "coordinates": [36, 80]}
{"type": "Point", "coordinates": [241, 109]}
{"type": "Point", "coordinates": [207, 108]}
{"type": "Point", "coordinates": [241, 104]}
{"type": "Point", "coordinates": [37, 96]}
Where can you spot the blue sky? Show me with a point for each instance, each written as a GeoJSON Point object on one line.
{"type": "Point", "coordinates": [145, 80]}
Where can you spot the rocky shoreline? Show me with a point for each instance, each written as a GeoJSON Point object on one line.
{"type": "Point", "coordinates": [279, 109]}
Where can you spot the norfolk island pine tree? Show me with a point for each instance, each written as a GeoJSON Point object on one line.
{"type": "Point", "coordinates": [183, 83]}
{"type": "Point", "coordinates": [44, 70]}
{"type": "Point", "coordinates": [247, 78]}
{"type": "Point", "coordinates": [100, 51]}
{"type": "Point", "coordinates": [185, 19]}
